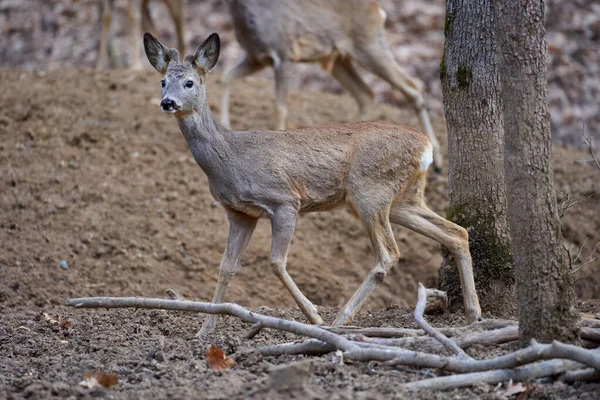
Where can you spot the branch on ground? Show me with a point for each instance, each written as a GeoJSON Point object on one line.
{"type": "Point", "coordinates": [575, 362]}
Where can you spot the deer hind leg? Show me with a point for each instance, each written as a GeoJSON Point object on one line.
{"type": "Point", "coordinates": [240, 231]}
{"type": "Point", "coordinates": [106, 35]}
{"type": "Point", "coordinates": [283, 223]}
{"type": "Point", "coordinates": [386, 256]}
{"type": "Point", "coordinates": [245, 68]}
{"type": "Point", "coordinates": [412, 213]}
{"type": "Point", "coordinates": [379, 60]}
{"type": "Point", "coordinates": [345, 73]}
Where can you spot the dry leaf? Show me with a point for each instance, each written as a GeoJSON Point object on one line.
{"type": "Point", "coordinates": [587, 315]}
{"type": "Point", "coordinates": [217, 359]}
{"type": "Point", "coordinates": [99, 378]}
{"type": "Point", "coordinates": [59, 321]}
{"type": "Point", "coordinates": [513, 388]}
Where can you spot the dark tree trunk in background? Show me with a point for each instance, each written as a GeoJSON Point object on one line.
{"type": "Point", "coordinates": [544, 288]}
{"type": "Point", "coordinates": [471, 88]}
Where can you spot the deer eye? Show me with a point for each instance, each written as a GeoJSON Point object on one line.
{"type": "Point", "coordinates": [163, 83]}
{"type": "Point", "coordinates": [189, 84]}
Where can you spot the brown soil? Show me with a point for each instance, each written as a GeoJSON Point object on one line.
{"type": "Point", "coordinates": [92, 173]}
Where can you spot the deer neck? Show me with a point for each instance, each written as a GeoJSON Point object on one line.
{"type": "Point", "coordinates": [206, 140]}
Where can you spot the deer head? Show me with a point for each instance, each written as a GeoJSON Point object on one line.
{"type": "Point", "coordinates": [184, 82]}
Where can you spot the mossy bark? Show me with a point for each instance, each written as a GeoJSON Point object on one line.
{"type": "Point", "coordinates": [471, 88]}
{"type": "Point", "coordinates": [545, 293]}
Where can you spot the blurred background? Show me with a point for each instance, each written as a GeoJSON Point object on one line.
{"type": "Point", "coordinates": [50, 34]}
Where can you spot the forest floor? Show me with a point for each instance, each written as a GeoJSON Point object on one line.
{"type": "Point", "coordinates": [92, 173]}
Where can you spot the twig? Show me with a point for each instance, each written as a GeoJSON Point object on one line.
{"type": "Point", "coordinates": [173, 295]}
{"type": "Point", "coordinates": [589, 142]}
{"type": "Point", "coordinates": [419, 309]}
{"type": "Point", "coordinates": [572, 201]}
{"type": "Point", "coordinates": [375, 332]}
{"type": "Point", "coordinates": [533, 371]}
{"type": "Point", "coordinates": [254, 330]}
{"type": "Point", "coordinates": [581, 375]}
{"type": "Point", "coordinates": [309, 347]}
{"type": "Point", "coordinates": [407, 332]}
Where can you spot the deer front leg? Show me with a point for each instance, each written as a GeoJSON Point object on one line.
{"type": "Point", "coordinates": [240, 230]}
{"type": "Point", "coordinates": [283, 223]}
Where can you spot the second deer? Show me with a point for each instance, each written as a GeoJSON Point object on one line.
{"type": "Point", "coordinates": [278, 33]}
{"type": "Point", "coordinates": [376, 169]}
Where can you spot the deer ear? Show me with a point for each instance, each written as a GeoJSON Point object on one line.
{"type": "Point", "coordinates": [157, 53]}
{"type": "Point", "coordinates": [207, 54]}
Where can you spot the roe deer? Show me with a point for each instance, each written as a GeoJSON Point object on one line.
{"type": "Point", "coordinates": [140, 19]}
{"type": "Point", "coordinates": [279, 33]}
{"type": "Point", "coordinates": [377, 169]}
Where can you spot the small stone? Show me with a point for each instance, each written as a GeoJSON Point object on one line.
{"type": "Point", "coordinates": [64, 265]}
{"type": "Point", "coordinates": [291, 376]}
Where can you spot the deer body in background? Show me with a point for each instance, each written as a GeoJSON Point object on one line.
{"type": "Point", "coordinates": [140, 20]}
{"type": "Point", "coordinates": [377, 169]}
{"type": "Point", "coordinates": [336, 33]}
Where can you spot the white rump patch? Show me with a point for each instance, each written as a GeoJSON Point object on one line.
{"type": "Point", "coordinates": [383, 14]}
{"type": "Point", "coordinates": [427, 158]}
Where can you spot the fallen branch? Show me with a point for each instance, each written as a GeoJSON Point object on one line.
{"type": "Point", "coordinates": [437, 335]}
{"type": "Point", "coordinates": [234, 310]}
{"type": "Point", "coordinates": [383, 332]}
{"type": "Point", "coordinates": [353, 350]}
{"type": "Point", "coordinates": [529, 372]}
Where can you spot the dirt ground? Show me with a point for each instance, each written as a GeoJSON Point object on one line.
{"type": "Point", "coordinates": [92, 173]}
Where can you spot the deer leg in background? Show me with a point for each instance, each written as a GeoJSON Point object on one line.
{"type": "Point", "coordinates": [246, 67]}
{"type": "Point", "coordinates": [283, 223]}
{"type": "Point", "coordinates": [380, 61]}
{"type": "Point", "coordinates": [134, 12]}
{"type": "Point", "coordinates": [177, 12]}
{"type": "Point", "coordinates": [345, 73]}
{"type": "Point", "coordinates": [106, 35]}
{"type": "Point", "coordinates": [282, 70]}
{"type": "Point", "coordinates": [386, 253]}
{"type": "Point", "coordinates": [147, 21]}
{"type": "Point", "coordinates": [240, 230]}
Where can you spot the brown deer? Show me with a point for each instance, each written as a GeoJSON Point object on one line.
{"type": "Point", "coordinates": [278, 33]}
{"type": "Point", "coordinates": [377, 169]}
{"type": "Point", "coordinates": [140, 20]}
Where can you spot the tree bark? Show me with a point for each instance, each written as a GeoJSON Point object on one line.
{"type": "Point", "coordinates": [544, 288]}
{"type": "Point", "coordinates": [471, 88]}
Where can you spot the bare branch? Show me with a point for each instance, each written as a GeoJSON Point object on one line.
{"type": "Point", "coordinates": [355, 350]}
{"type": "Point", "coordinates": [254, 330]}
{"type": "Point", "coordinates": [588, 140]}
{"type": "Point", "coordinates": [419, 309]}
{"type": "Point", "coordinates": [222, 309]}
{"type": "Point", "coordinates": [407, 332]}
{"type": "Point", "coordinates": [533, 371]}
{"type": "Point", "coordinates": [308, 347]}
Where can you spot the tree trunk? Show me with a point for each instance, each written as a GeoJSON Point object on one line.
{"type": "Point", "coordinates": [544, 287]}
{"type": "Point", "coordinates": [471, 88]}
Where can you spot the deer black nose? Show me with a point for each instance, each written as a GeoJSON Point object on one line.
{"type": "Point", "coordinates": [168, 105]}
